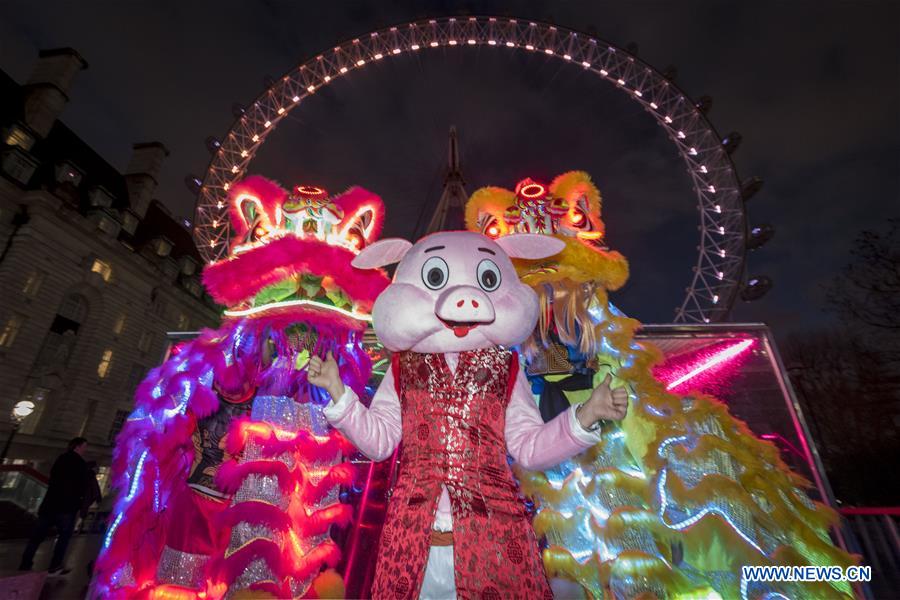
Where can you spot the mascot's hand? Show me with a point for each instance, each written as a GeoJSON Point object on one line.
{"type": "Point", "coordinates": [325, 374]}
{"type": "Point", "coordinates": [604, 403]}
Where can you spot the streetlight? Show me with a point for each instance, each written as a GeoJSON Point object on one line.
{"type": "Point", "coordinates": [20, 412]}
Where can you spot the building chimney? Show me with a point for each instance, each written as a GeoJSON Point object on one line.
{"type": "Point", "coordinates": [142, 175]}
{"type": "Point", "coordinates": [47, 90]}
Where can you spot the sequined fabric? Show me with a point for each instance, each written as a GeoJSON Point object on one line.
{"type": "Point", "coordinates": [288, 417]}
{"type": "Point", "coordinates": [256, 572]}
{"type": "Point", "coordinates": [453, 434]}
{"type": "Point", "coordinates": [181, 568]}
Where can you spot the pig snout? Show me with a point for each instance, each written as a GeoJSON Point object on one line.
{"type": "Point", "coordinates": [462, 308]}
{"type": "Point", "coordinates": [465, 304]}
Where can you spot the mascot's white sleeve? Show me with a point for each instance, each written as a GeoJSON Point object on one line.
{"type": "Point", "coordinates": [376, 430]}
{"type": "Point", "coordinates": [537, 445]}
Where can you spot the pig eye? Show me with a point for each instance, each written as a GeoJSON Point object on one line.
{"type": "Point", "coordinates": [488, 275]}
{"type": "Point", "coordinates": [435, 273]}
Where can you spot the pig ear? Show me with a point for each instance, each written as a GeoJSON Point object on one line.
{"type": "Point", "coordinates": [381, 253]}
{"type": "Point", "coordinates": [530, 245]}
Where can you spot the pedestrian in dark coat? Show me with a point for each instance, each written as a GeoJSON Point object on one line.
{"type": "Point", "coordinates": [64, 499]}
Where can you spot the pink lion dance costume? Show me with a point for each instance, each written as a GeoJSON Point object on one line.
{"type": "Point", "coordinates": [227, 470]}
{"type": "Point", "coordinates": [457, 399]}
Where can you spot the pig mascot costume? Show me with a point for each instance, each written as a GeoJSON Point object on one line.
{"type": "Point", "coordinates": [457, 398]}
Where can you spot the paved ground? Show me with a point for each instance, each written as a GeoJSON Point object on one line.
{"type": "Point", "coordinates": [82, 551]}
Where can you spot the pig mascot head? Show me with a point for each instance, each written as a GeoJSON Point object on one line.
{"type": "Point", "coordinates": [455, 291]}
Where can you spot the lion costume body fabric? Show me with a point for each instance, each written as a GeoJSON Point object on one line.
{"type": "Point", "coordinates": [227, 472]}
{"type": "Point", "coordinates": [679, 495]}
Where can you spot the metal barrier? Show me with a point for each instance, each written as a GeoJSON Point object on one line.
{"type": "Point", "coordinates": [875, 531]}
{"type": "Point", "coordinates": [22, 486]}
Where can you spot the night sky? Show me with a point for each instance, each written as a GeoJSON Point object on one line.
{"type": "Point", "coordinates": [814, 88]}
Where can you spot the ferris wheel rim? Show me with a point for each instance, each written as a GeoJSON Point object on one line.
{"type": "Point", "coordinates": [721, 258]}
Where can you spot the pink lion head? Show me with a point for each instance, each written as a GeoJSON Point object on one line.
{"type": "Point", "coordinates": [455, 291]}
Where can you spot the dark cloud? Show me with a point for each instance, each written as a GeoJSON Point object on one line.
{"type": "Point", "coordinates": [813, 87]}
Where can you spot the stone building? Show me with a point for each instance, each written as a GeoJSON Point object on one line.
{"type": "Point", "coordinates": [93, 271]}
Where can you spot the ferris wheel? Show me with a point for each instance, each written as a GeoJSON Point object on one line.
{"type": "Point", "coordinates": [718, 274]}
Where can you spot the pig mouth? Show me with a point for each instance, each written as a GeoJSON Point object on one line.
{"type": "Point", "coordinates": [461, 328]}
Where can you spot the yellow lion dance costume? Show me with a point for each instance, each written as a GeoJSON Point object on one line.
{"type": "Point", "coordinates": [679, 495]}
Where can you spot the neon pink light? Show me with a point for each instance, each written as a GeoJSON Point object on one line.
{"type": "Point", "coordinates": [785, 441]}
{"type": "Point", "coordinates": [716, 359]}
{"type": "Point", "coordinates": [361, 515]}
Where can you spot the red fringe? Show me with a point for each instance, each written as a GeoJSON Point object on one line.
{"type": "Point", "coordinates": [231, 474]}
{"type": "Point", "coordinates": [341, 474]}
{"type": "Point", "coordinates": [256, 512]}
{"type": "Point", "coordinates": [235, 564]}
{"type": "Point", "coordinates": [304, 443]}
{"type": "Point", "coordinates": [321, 520]}
{"type": "Point", "coordinates": [234, 441]}
{"type": "Point", "coordinates": [326, 553]}
{"type": "Point", "coordinates": [233, 280]}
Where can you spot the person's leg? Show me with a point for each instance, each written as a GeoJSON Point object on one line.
{"type": "Point", "coordinates": [65, 524]}
{"type": "Point", "coordinates": [34, 542]}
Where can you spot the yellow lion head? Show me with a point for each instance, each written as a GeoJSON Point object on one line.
{"type": "Point", "coordinates": [569, 208]}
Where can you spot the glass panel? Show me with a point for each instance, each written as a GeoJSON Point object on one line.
{"type": "Point", "coordinates": [736, 365]}
{"type": "Point", "coordinates": [22, 489]}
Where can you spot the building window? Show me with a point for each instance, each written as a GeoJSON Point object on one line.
{"type": "Point", "coordinates": [106, 222]}
{"type": "Point", "coordinates": [193, 287]}
{"type": "Point", "coordinates": [66, 172]}
{"type": "Point", "coordinates": [19, 165]}
{"type": "Point", "coordinates": [10, 330]}
{"type": "Point", "coordinates": [33, 283]}
{"type": "Point", "coordinates": [144, 342]}
{"type": "Point", "coordinates": [119, 325]}
{"type": "Point", "coordinates": [102, 268]}
{"type": "Point", "coordinates": [60, 340]}
{"type": "Point", "coordinates": [183, 322]}
{"type": "Point", "coordinates": [17, 136]}
{"type": "Point", "coordinates": [117, 424]}
{"type": "Point", "coordinates": [129, 222]}
{"type": "Point", "coordinates": [105, 362]}
{"type": "Point", "coordinates": [103, 480]}
{"type": "Point", "coordinates": [158, 305]}
{"type": "Point", "coordinates": [162, 246]}
{"type": "Point", "coordinates": [188, 265]}
{"type": "Point", "coordinates": [100, 198]}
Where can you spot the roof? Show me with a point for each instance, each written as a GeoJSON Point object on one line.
{"type": "Point", "coordinates": [63, 144]}
{"type": "Point", "coordinates": [159, 223]}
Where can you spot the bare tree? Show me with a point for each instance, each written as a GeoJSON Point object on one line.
{"type": "Point", "coordinates": [850, 400]}
{"type": "Point", "coordinates": [866, 294]}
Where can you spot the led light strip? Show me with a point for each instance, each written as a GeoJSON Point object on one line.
{"type": "Point", "coordinates": [135, 480]}
{"type": "Point", "coordinates": [664, 503]}
{"type": "Point", "coordinates": [290, 303]}
{"type": "Point", "coordinates": [716, 359]}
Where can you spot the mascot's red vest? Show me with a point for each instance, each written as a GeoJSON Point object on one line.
{"type": "Point", "coordinates": [453, 434]}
